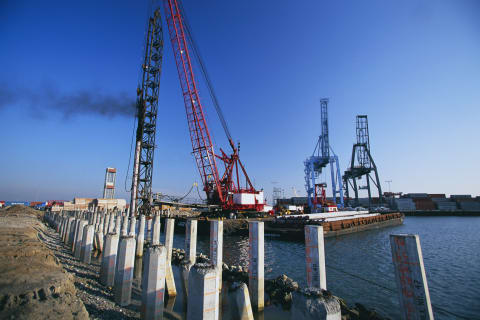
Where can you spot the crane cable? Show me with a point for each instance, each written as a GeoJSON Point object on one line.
{"type": "Point", "coordinates": [183, 197]}
{"type": "Point", "coordinates": [203, 69]}
{"type": "Point", "coordinates": [198, 192]}
{"type": "Point", "coordinates": [130, 157]}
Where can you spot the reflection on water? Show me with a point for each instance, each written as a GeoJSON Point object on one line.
{"type": "Point", "coordinates": [235, 251]}
{"type": "Point", "coordinates": [178, 304]}
{"type": "Point", "coordinates": [169, 302]}
{"type": "Point", "coordinates": [449, 246]}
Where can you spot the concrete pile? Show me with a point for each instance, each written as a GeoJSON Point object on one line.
{"type": "Point", "coordinates": [120, 239]}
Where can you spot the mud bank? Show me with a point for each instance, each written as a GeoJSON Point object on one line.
{"type": "Point", "coordinates": [33, 284]}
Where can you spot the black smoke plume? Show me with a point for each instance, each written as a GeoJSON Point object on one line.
{"type": "Point", "coordinates": [49, 98]}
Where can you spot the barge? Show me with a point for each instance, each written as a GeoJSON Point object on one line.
{"type": "Point", "coordinates": [291, 227]}
{"type": "Point", "coordinates": [333, 224]}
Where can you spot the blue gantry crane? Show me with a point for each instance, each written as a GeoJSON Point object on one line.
{"type": "Point", "coordinates": [319, 160]}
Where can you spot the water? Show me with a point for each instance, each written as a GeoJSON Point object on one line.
{"type": "Point", "coordinates": [450, 249]}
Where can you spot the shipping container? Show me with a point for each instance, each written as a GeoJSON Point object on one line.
{"type": "Point", "coordinates": [300, 200]}
{"type": "Point", "coordinates": [436, 195]}
{"type": "Point", "coordinates": [55, 202]}
{"type": "Point", "coordinates": [469, 205]}
{"type": "Point", "coordinates": [424, 204]}
{"type": "Point", "coordinates": [460, 196]}
{"type": "Point", "coordinates": [12, 203]}
{"type": "Point", "coordinates": [416, 195]}
{"type": "Point", "coordinates": [405, 204]}
{"type": "Point", "coordinates": [35, 203]}
{"type": "Point", "coordinates": [446, 206]}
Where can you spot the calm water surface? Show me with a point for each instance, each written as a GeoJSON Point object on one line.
{"type": "Point", "coordinates": [450, 248]}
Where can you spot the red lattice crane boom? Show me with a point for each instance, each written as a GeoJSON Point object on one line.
{"type": "Point", "coordinates": [225, 190]}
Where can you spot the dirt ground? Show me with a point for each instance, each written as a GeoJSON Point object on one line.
{"type": "Point", "coordinates": [98, 299]}
{"type": "Point", "coordinates": [33, 284]}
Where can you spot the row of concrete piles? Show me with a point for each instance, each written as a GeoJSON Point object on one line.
{"type": "Point", "coordinates": [118, 239]}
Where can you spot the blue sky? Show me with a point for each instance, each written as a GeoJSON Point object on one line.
{"type": "Point", "coordinates": [412, 66]}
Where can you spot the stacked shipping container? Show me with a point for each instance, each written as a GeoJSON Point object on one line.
{"type": "Point", "coordinates": [444, 204]}
{"type": "Point", "coordinates": [466, 202]}
{"type": "Point", "coordinates": [424, 204]}
{"type": "Point", "coordinates": [428, 202]}
{"type": "Point", "coordinates": [405, 204]}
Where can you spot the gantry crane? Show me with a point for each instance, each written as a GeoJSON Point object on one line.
{"type": "Point", "coordinates": [146, 113]}
{"type": "Point", "coordinates": [316, 162]}
{"type": "Point", "coordinates": [225, 190]}
{"type": "Point", "coordinates": [363, 166]}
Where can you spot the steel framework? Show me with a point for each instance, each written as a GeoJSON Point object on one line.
{"type": "Point", "coordinates": [147, 106]}
{"type": "Point", "coordinates": [199, 134]}
{"type": "Point", "coordinates": [219, 189]}
{"type": "Point", "coordinates": [109, 184]}
{"type": "Point", "coordinates": [363, 166]}
{"type": "Point", "coordinates": [276, 194]}
{"type": "Point", "coordinates": [320, 159]}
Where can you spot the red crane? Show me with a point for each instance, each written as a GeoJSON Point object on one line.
{"type": "Point", "coordinates": [224, 190]}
